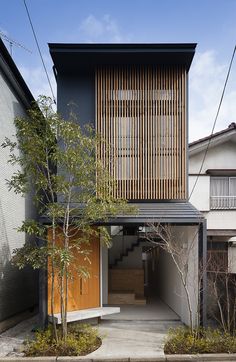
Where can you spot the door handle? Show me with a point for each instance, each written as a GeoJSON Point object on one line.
{"type": "Point", "coordinates": [81, 286]}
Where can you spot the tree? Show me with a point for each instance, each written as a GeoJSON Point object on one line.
{"type": "Point", "coordinates": [72, 189]}
{"type": "Point", "coordinates": [222, 290]}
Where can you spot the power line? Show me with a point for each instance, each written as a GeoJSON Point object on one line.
{"type": "Point", "coordinates": [214, 124]}
{"type": "Point", "coordinates": [40, 54]}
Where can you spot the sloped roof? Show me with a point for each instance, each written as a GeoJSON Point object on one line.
{"type": "Point", "coordinates": [231, 127]}
{"type": "Point", "coordinates": [14, 76]}
{"type": "Point", "coordinates": [215, 138]}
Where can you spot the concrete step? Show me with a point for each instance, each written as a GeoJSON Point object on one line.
{"type": "Point", "coordinates": [84, 314]}
{"type": "Point", "coordinates": [139, 300]}
{"type": "Point", "coordinates": [125, 297]}
{"type": "Point", "coordinates": [122, 297]}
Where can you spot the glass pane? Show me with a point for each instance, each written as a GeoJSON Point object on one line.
{"type": "Point", "coordinates": [220, 192]}
{"type": "Point", "coordinates": [232, 192]}
{"type": "Point", "coordinates": [219, 186]}
{"type": "Point", "coordinates": [232, 187]}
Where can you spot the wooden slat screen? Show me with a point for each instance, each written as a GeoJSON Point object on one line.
{"type": "Point", "coordinates": [141, 113]}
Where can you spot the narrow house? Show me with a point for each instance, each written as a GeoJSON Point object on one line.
{"type": "Point", "coordinates": [136, 97]}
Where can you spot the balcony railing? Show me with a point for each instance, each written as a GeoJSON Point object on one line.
{"type": "Point", "coordinates": [223, 202]}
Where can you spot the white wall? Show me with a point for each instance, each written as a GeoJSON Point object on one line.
{"type": "Point", "coordinates": [221, 156]}
{"type": "Point", "coordinates": [17, 288]}
{"type": "Point", "coordinates": [232, 258]}
{"type": "Point", "coordinates": [173, 292]}
{"type": "Point", "coordinates": [200, 198]}
{"type": "Point", "coordinates": [221, 219]}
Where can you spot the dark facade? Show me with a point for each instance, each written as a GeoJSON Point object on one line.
{"type": "Point", "coordinates": [136, 98]}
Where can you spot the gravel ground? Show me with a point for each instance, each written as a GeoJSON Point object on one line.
{"type": "Point", "coordinates": [11, 341]}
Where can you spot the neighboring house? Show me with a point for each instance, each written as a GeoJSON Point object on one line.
{"type": "Point", "coordinates": [215, 191]}
{"type": "Point", "coordinates": [18, 289]}
{"type": "Point", "coordinates": [136, 97]}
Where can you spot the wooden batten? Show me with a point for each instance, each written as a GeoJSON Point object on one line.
{"type": "Point", "coordinates": [141, 113]}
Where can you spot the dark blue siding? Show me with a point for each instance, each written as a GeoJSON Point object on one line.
{"type": "Point", "coordinates": [76, 92]}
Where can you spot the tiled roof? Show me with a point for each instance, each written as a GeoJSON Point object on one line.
{"type": "Point", "coordinates": [231, 127]}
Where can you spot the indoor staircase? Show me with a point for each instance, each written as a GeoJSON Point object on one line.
{"type": "Point", "coordinates": [126, 253]}
{"type": "Point", "coordinates": [126, 282]}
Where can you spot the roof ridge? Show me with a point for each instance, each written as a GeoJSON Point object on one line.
{"type": "Point", "coordinates": [231, 126]}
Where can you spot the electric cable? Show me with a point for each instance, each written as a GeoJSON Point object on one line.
{"type": "Point", "coordinates": [214, 124]}
{"type": "Point", "coordinates": [40, 53]}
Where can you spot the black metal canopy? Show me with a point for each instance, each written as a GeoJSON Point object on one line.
{"type": "Point", "coordinates": [71, 57]}
{"type": "Point", "coordinates": [160, 212]}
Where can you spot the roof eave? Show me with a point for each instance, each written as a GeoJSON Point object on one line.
{"type": "Point", "coordinates": [14, 76]}
{"type": "Point", "coordinates": [216, 138]}
{"type": "Point", "coordinates": [73, 56]}
{"type": "Point", "coordinates": [160, 47]}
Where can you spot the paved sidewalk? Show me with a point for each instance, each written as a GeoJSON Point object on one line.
{"type": "Point", "coordinates": [120, 338]}
{"type": "Point", "coordinates": [124, 341]}
{"type": "Point", "coordinates": [132, 339]}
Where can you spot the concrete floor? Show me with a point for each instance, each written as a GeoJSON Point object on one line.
{"type": "Point", "coordinates": [138, 331]}
{"type": "Point", "coordinates": [155, 310]}
{"type": "Point", "coordinates": [132, 339]}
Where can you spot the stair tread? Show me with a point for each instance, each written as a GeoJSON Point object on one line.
{"type": "Point", "coordinates": [143, 298]}
{"type": "Point", "coordinates": [121, 292]}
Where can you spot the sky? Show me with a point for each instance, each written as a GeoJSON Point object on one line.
{"type": "Point", "coordinates": [209, 23]}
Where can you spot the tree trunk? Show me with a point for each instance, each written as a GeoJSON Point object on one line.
{"type": "Point", "coordinates": [52, 284]}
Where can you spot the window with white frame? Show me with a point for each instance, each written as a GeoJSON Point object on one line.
{"type": "Point", "coordinates": [223, 193]}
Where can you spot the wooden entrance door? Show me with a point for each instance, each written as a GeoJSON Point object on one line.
{"type": "Point", "coordinates": [82, 293]}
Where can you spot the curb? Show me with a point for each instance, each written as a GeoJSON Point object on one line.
{"type": "Point", "coordinates": [216, 357]}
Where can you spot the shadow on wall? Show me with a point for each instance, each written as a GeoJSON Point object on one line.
{"type": "Point", "coordinates": [17, 287]}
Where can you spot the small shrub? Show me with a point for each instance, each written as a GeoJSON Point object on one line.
{"type": "Point", "coordinates": [183, 341]}
{"type": "Point", "coordinates": [81, 340]}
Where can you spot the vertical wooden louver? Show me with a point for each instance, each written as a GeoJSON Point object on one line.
{"type": "Point", "coordinates": [141, 113]}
